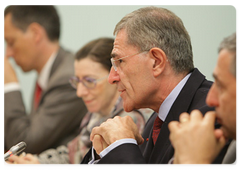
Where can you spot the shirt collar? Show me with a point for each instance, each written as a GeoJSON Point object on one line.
{"type": "Point", "coordinates": [168, 102]}
{"type": "Point", "coordinates": [45, 72]}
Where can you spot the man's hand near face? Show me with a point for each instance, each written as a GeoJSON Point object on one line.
{"type": "Point", "coordinates": [113, 130]}
{"type": "Point", "coordinates": [9, 73]}
{"type": "Point", "coordinates": [194, 138]}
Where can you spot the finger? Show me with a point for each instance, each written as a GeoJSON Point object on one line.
{"type": "Point", "coordinates": [134, 129]}
{"type": "Point", "coordinates": [139, 139]}
{"type": "Point", "coordinates": [16, 159]}
{"type": "Point", "coordinates": [99, 130]}
{"type": "Point", "coordinates": [209, 119]}
{"type": "Point", "coordinates": [117, 118]}
{"type": "Point", "coordinates": [104, 143]}
{"type": "Point", "coordinates": [218, 133]}
{"type": "Point", "coordinates": [173, 126]}
{"type": "Point", "coordinates": [23, 154]}
{"type": "Point", "coordinates": [94, 132]}
{"type": "Point", "coordinates": [176, 158]}
{"type": "Point", "coordinates": [13, 158]}
{"type": "Point", "coordinates": [102, 132]}
{"type": "Point", "coordinates": [196, 115]}
{"type": "Point", "coordinates": [97, 144]}
{"type": "Point", "coordinates": [29, 157]}
{"type": "Point", "coordinates": [221, 142]}
{"type": "Point", "coordinates": [184, 117]}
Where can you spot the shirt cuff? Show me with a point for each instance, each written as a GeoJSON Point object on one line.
{"type": "Point", "coordinates": [93, 161]}
{"type": "Point", "coordinates": [9, 87]}
{"type": "Point", "coordinates": [171, 160]}
{"type": "Point", "coordinates": [111, 147]}
{"type": "Point", "coordinates": [116, 144]}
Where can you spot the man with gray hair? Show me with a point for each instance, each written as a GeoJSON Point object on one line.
{"type": "Point", "coordinates": [206, 142]}
{"type": "Point", "coordinates": [153, 68]}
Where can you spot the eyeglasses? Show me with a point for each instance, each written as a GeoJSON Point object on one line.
{"type": "Point", "coordinates": [88, 82]}
{"type": "Point", "coordinates": [116, 62]}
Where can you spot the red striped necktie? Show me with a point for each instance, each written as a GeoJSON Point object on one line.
{"type": "Point", "coordinates": [37, 96]}
{"type": "Point", "coordinates": [156, 129]}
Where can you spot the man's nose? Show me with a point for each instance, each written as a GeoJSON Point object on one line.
{"type": "Point", "coordinates": [113, 76]}
{"type": "Point", "coordinates": [212, 97]}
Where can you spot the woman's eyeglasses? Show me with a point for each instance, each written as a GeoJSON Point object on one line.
{"type": "Point", "coordinates": [88, 82]}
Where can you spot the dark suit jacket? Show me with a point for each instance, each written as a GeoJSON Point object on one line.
{"type": "Point", "coordinates": [58, 117]}
{"type": "Point", "coordinates": [192, 96]}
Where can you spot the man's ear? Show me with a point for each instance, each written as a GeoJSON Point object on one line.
{"type": "Point", "coordinates": [36, 31]}
{"type": "Point", "coordinates": [159, 60]}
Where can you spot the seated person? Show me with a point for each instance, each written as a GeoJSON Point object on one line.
{"type": "Point", "coordinates": [193, 137]}
{"type": "Point", "coordinates": [54, 104]}
{"type": "Point", "coordinates": [92, 66]}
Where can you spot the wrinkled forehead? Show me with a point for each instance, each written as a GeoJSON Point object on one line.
{"type": "Point", "coordinates": [121, 47]}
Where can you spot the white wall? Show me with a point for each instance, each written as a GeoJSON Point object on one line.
{"type": "Point", "coordinates": [207, 26]}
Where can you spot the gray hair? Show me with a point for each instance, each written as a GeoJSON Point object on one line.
{"type": "Point", "coordinates": [229, 43]}
{"type": "Point", "coordinates": [158, 27]}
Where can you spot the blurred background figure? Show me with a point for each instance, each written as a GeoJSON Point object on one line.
{"type": "Point", "coordinates": [92, 66]}
{"type": "Point", "coordinates": [32, 39]}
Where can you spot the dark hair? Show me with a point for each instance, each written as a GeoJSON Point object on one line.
{"type": "Point", "coordinates": [229, 43]}
{"type": "Point", "coordinates": [46, 16]}
{"type": "Point", "coordinates": [150, 27]}
{"type": "Point", "coordinates": [98, 50]}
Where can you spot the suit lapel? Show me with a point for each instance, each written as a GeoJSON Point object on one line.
{"type": "Point", "coordinates": [149, 146]}
{"type": "Point", "coordinates": [180, 105]}
{"type": "Point", "coordinates": [57, 61]}
{"type": "Point", "coordinates": [55, 65]}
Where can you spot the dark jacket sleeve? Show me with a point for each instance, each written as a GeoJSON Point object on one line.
{"type": "Point", "coordinates": [53, 124]}
{"type": "Point", "coordinates": [123, 154]}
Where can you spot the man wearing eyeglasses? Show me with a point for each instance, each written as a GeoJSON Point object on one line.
{"type": "Point", "coordinates": [32, 39]}
{"type": "Point", "coordinates": [152, 68]}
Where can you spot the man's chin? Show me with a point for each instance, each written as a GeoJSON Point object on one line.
{"type": "Point", "coordinates": [127, 108]}
{"type": "Point", "coordinates": [26, 69]}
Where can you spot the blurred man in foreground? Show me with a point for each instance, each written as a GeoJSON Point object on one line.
{"type": "Point", "coordinates": [194, 138]}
